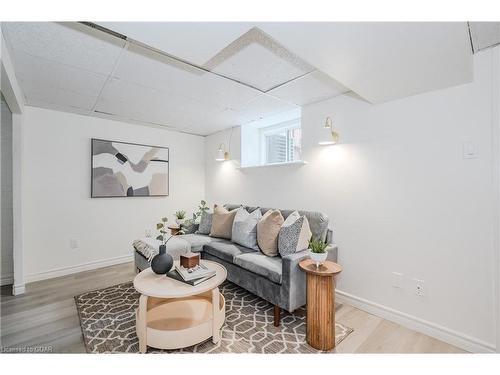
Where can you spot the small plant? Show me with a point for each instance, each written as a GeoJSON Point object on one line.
{"type": "Point", "coordinates": [202, 208]}
{"type": "Point", "coordinates": [162, 236]}
{"type": "Point", "coordinates": [317, 246]}
{"type": "Point", "coordinates": [181, 215]}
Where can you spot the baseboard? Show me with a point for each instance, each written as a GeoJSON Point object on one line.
{"type": "Point", "coordinates": [7, 280]}
{"type": "Point", "coordinates": [437, 331]}
{"type": "Point", "coordinates": [58, 272]}
{"type": "Point", "coordinates": [18, 289]}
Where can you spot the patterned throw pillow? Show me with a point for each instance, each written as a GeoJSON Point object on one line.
{"type": "Point", "coordinates": [245, 228]}
{"type": "Point", "coordinates": [189, 227]}
{"type": "Point", "coordinates": [294, 234]}
{"type": "Point", "coordinates": [205, 223]}
{"type": "Point", "coordinates": [268, 229]}
{"type": "Point", "coordinates": [222, 222]}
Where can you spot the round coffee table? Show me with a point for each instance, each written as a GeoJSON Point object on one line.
{"type": "Point", "coordinates": [173, 315]}
{"type": "Point", "coordinates": [320, 309]}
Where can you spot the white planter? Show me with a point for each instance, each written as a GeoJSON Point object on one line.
{"type": "Point", "coordinates": [318, 258]}
{"type": "Point", "coordinates": [179, 221]}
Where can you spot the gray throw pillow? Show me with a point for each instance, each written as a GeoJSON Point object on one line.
{"type": "Point", "coordinates": [294, 234]}
{"type": "Point", "coordinates": [205, 223]}
{"type": "Point", "coordinates": [245, 228]}
{"type": "Point", "coordinates": [189, 227]}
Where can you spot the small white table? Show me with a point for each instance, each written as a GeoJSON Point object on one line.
{"type": "Point", "coordinates": [173, 315]}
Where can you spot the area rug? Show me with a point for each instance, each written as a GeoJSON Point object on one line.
{"type": "Point", "coordinates": [107, 318]}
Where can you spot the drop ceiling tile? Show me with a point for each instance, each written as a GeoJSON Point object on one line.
{"type": "Point", "coordinates": [56, 97]}
{"type": "Point", "coordinates": [311, 88]}
{"type": "Point", "coordinates": [259, 61]}
{"type": "Point", "coordinates": [147, 68]}
{"type": "Point", "coordinates": [196, 42]}
{"type": "Point", "coordinates": [66, 43]}
{"type": "Point", "coordinates": [258, 108]}
{"type": "Point", "coordinates": [484, 34]}
{"type": "Point", "coordinates": [147, 104]}
{"type": "Point", "coordinates": [45, 74]}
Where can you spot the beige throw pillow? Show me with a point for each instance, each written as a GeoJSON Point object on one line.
{"type": "Point", "coordinates": [222, 222]}
{"type": "Point", "coordinates": [268, 229]}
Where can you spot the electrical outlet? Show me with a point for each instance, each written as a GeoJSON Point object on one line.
{"type": "Point", "coordinates": [73, 244]}
{"type": "Point", "coordinates": [419, 287]}
{"type": "Point", "coordinates": [397, 279]}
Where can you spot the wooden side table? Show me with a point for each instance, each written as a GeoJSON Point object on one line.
{"type": "Point", "coordinates": [320, 310]}
{"type": "Point", "coordinates": [174, 230]}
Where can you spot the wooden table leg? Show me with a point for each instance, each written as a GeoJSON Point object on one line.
{"type": "Point", "coordinates": [215, 314]}
{"type": "Point", "coordinates": [320, 314]}
{"type": "Point", "coordinates": [142, 323]}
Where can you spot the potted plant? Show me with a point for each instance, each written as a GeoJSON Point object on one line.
{"type": "Point", "coordinates": [202, 208]}
{"type": "Point", "coordinates": [317, 251]}
{"type": "Point", "coordinates": [163, 261]}
{"type": "Point", "coordinates": [180, 216]}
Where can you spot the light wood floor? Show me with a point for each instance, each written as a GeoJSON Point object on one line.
{"type": "Point", "coordinates": [46, 316]}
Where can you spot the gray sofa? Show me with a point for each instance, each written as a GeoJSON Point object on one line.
{"type": "Point", "coordinates": [277, 280]}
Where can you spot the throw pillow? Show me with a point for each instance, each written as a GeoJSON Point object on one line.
{"type": "Point", "coordinates": [205, 223]}
{"type": "Point", "coordinates": [268, 229]}
{"type": "Point", "coordinates": [189, 227]}
{"type": "Point", "coordinates": [294, 235]}
{"type": "Point", "coordinates": [222, 222]}
{"type": "Point", "coordinates": [245, 228]}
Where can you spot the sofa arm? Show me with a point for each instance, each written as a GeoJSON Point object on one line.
{"type": "Point", "coordinates": [294, 279]}
{"type": "Point", "coordinates": [333, 251]}
{"type": "Point", "coordinates": [291, 262]}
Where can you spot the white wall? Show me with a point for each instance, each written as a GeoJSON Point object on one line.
{"type": "Point", "coordinates": [56, 194]}
{"type": "Point", "coordinates": [400, 198]}
{"type": "Point", "coordinates": [6, 228]}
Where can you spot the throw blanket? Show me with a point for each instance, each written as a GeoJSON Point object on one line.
{"type": "Point", "coordinates": [149, 247]}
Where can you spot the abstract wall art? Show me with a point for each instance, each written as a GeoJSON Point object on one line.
{"type": "Point", "coordinates": [121, 169]}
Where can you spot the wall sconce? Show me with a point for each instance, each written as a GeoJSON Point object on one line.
{"type": "Point", "coordinates": [334, 136]}
{"type": "Point", "coordinates": [222, 155]}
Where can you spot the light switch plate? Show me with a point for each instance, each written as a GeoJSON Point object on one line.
{"type": "Point", "coordinates": [469, 150]}
{"type": "Point", "coordinates": [397, 279]}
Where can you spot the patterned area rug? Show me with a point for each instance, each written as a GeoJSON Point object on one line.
{"type": "Point", "coordinates": [107, 318]}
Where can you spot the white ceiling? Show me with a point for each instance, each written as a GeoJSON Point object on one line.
{"type": "Point", "coordinates": [382, 61]}
{"type": "Point", "coordinates": [210, 76]}
{"type": "Point", "coordinates": [484, 34]}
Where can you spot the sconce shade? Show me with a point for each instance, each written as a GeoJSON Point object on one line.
{"type": "Point", "coordinates": [334, 136]}
{"type": "Point", "coordinates": [221, 154]}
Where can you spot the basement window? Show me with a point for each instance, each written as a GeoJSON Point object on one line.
{"type": "Point", "coordinates": [281, 143]}
{"type": "Point", "coordinates": [274, 140]}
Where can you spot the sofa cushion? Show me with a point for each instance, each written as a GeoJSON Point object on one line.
{"type": "Point", "coordinates": [268, 229]}
{"type": "Point", "coordinates": [245, 228]}
{"type": "Point", "coordinates": [269, 267]}
{"type": "Point", "coordinates": [222, 222]}
{"type": "Point", "coordinates": [205, 223]}
{"type": "Point", "coordinates": [294, 235]}
{"type": "Point", "coordinates": [225, 250]}
{"type": "Point", "coordinates": [197, 241]}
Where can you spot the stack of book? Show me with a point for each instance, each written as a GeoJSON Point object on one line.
{"type": "Point", "coordinates": [192, 276]}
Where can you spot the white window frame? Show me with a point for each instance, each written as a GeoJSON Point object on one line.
{"type": "Point", "coordinates": [269, 130]}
